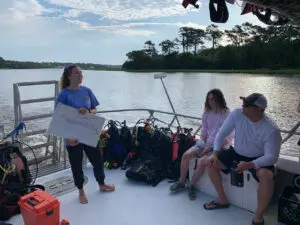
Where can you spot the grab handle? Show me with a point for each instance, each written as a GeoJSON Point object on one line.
{"type": "Point", "coordinates": [32, 201]}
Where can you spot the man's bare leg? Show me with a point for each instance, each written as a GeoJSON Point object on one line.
{"type": "Point", "coordinates": [264, 193]}
{"type": "Point", "coordinates": [214, 174]}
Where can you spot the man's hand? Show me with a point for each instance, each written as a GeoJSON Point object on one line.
{"type": "Point", "coordinates": [72, 142]}
{"type": "Point", "coordinates": [83, 111]}
{"type": "Point", "coordinates": [242, 166]}
{"type": "Point", "coordinates": [212, 161]}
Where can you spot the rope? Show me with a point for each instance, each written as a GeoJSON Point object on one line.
{"type": "Point", "coordinates": [10, 169]}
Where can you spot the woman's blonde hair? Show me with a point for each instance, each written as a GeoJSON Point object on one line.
{"type": "Point", "coordinates": [64, 80]}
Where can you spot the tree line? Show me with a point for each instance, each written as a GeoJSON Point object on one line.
{"type": "Point", "coordinates": [248, 47]}
{"type": "Point", "coordinates": [9, 64]}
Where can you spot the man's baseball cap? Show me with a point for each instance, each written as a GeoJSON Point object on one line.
{"type": "Point", "coordinates": [255, 99]}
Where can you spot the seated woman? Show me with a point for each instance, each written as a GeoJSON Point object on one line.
{"type": "Point", "coordinates": [215, 113]}
{"type": "Point", "coordinates": [75, 95]}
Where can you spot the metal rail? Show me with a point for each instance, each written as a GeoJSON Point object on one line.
{"type": "Point", "coordinates": [58, 152]}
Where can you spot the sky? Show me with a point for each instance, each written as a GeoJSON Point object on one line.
{"type": "Point", "coordinates": [97, 31]}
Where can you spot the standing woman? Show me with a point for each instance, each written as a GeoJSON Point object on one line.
{"type": "Point", "coordinates": [75, 95]}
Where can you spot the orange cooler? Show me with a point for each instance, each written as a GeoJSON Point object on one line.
{"type": "Point", "coordinates": [39, 208]}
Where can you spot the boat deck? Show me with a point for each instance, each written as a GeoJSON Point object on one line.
{"type": "Point", "coordinates": [135, 203]}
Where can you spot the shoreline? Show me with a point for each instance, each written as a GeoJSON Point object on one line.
{"type": "Point", "coordinates": [283, 72]}
{"type": "Point", "coordinates": [287, 72]}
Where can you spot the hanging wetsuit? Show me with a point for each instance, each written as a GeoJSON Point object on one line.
{"type": "Point", "coordinates": [219, 15]}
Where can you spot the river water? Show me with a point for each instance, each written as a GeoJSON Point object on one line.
{"type": "Point", "coordinates": [118, 90]}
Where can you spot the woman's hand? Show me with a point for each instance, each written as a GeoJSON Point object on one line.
{"type": "Point", "coordinates": [72, 142]}
{"type": "Point", "coordinates": [206, 150]}
{"type": "Point", "coordinates": [203, 152]}
{"type": "Point", "coordinates": [83, 111]}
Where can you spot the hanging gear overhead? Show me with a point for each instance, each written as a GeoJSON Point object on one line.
{"type": "Point", "coordinates": [219, 15]}
{"type": "Point", "coordinates": [275, 13]}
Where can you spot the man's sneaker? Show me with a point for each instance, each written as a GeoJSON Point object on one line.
{"type": "Point", "coordinates": [178, 186]}
{"type": "Point", "coordinates": [192, 192]}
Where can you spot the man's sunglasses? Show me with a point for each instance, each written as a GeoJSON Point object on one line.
{"type": "Point", "coordinates": [247, 105]}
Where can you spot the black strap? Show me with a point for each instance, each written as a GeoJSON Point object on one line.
{"type": "Point", "coordinates": [219, 15]}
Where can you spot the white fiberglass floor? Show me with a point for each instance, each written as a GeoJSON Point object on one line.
{"type": "Point", "coordinates": [139, 204]}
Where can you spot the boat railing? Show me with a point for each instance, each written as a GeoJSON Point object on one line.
{"type": "Point", "coordinates": [52, 155]}
{"type": "Point", "coordinates": [2, 131]}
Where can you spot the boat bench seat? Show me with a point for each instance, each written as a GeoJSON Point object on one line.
{"type": "Point", "coordinates": [243, 197]}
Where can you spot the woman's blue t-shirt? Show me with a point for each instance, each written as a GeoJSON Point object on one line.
{"type": "Point", "coordinates": [81, 98]}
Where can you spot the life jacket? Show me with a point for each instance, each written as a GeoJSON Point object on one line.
{"type": "Point", "coordinates": [15, 179]}
{"type": "Point", "coordinates": [13, 165]}
{"type": "Point", "coordinates": [115, 143]}
{"type": "Point", "coordinates": [164, 146]}
{"type": "Point", "coordinates": [142, 133]}
{"type": "Point", "coordinates": [111, 146]}
{"type": "Point", "coordinates": [140, 141]}
{"type": "Point", "coordinates": [126, 140]}
{"type": "Point", "coordinates": [153, 153]}
{"type": "Point", "coordinates": [145, 171]}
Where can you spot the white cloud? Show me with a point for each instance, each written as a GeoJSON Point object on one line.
{"type": "Point", "coordinates": [117, 29]}
{"type": "Point", "coordinates": [24, 24]}
{"type": "Point", "coordinates": [126, 9]}
{"type": "Point", "coordinates": [130, 28]}
{"type": "Point", "coordinates": [22, 10]}
{"type": "Point", "coordinates": [33, 33]}
{"type": "Point", "coordinates": [30, 12]}
{"type": "Point", "coordinates": [73, 13]}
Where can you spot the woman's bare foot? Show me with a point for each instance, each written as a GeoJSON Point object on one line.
{"type": "Point", "coordinates": [82, 197]}
{"type": "Point", "coordinates": [107, 187]}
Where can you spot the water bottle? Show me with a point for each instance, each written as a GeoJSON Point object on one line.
{"type": "Point", "coordinates": [237, 179]}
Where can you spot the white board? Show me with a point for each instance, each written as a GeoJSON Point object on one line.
{"type": "Point", "coordinates": [67, 122]}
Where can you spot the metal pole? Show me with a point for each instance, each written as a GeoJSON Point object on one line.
{"type": "Point", "coordinates": [16, 104]}
{"type": "Point", "coordinates": [170, 101]}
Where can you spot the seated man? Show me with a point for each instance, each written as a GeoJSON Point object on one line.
{"type": "Point", "coordinates": [214, 115]}
{"type": "Point", "coordinates": [257, 146]}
